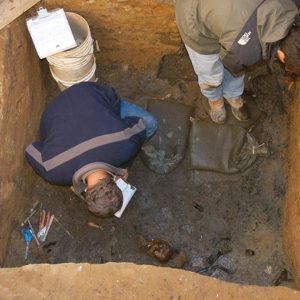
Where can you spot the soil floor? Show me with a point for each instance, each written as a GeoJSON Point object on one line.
{"type": "Point", "coordinates": [198, 212]}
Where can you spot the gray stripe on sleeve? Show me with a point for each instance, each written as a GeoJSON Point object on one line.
{"type": "Point", "coordinates": [91, 144]}
{"type": "Point", "coordinates": [32, 151]}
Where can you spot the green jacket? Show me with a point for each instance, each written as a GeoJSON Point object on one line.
{"type": "Point", "coordinates": [212, 26]}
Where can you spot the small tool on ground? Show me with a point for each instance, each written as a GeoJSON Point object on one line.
{"type": "Point", "coordinates": [28, 236]}
{"type": "Point", "coordinates": [43, 227]}
{"type": "Point", "coordinates": [92, 224]}
{"type": "Point", "coordinates": [67, 231]}
{"type": "Point", "coordinates": [33, 234]}
{"type": "Point", "coordinates": [32, 212]}
{"type": "Point", "coordinates": [26, 220]}
{"type": "Point", "coordinates": [47, 228]}
{"type": "Point", "coordinates": [41, 212]}
{"type": "Point", "coordinates": [34, 205]}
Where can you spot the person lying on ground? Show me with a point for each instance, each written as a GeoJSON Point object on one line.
{"type": "Point", "coordinates": [223, 38]}
{"type": "Point", "coordinates": [89, 135]}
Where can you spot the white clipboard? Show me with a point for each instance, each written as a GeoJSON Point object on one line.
{"type": "Point", "coordinates": [50, 32]}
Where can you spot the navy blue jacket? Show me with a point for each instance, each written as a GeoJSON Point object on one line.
{"type": "Point", "coordinates": [81, 126]}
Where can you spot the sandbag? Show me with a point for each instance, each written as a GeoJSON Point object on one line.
{"type": "Point", "coordinates": [164, 151]}
{"type": "Point", "coordinates": [221, 148]}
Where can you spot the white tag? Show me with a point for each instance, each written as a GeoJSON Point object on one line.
{"type": "Point", "coordinates": [51, 32]}
{"type": "Point", "coordinates": [245, 38]}
{"type": "Point", "coordinates": [127, 191]}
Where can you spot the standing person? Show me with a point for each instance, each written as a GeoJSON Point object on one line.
{"type": "Point", "coordinates": [224, 37]}
{"type": "Point", "coordinates": [88, 135]}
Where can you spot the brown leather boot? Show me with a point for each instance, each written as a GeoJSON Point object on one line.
{"type": "Point", "coordinates": [239, 110]}
{"type": "Point", "coordinates": [217, 111]}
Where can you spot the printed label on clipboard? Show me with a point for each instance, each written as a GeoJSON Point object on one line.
{"type": "Point", "coordinates": [50, 32]}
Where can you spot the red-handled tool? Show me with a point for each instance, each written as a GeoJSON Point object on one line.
{"type": "Point", "coordinates": [43, 227]}
{"type": "Point", "coordinates": [42, 223]}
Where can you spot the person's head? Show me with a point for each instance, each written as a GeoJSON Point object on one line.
{"type": "Point", "coordinates": [289, 50]}
{"type": "Point", "coordinates": [105, 198]}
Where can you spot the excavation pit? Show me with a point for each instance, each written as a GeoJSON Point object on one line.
{"type": "Point", "coordinates": [253, 215]}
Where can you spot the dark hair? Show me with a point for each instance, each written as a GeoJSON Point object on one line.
{"type": "Point", "coordinates": [104, 199]}
{"type": "Point", "coordinates": [290, 46]}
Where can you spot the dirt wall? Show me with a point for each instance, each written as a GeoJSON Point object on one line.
{"type": "Point", "coordinates": [125, 281]}
{"type": "Point", "coordinates": [291, 217]}
{"type": "Point", "coordinates": [21, 102]}
{"type": "Point", "coordinates": [128, 32]}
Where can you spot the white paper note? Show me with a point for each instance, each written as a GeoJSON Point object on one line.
{"type": "Point", "coordinates": [127, 191]}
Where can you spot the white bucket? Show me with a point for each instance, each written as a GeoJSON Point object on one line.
{"type": "Point", "coordinates": [77, 64]}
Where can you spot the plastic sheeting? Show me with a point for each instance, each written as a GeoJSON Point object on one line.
{"type": "Point", "coordinates": [221, 148]}
{"type": "Point", "coordinates": [164, 151]}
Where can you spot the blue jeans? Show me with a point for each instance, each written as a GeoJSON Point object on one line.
{"type": "Point", "coordinates": [131, 110]}
{"type": "Point", "coordinates": [214, 79]}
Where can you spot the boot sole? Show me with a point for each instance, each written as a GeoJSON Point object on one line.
{"type": "Point", "coordinates": [220, 123]}
{"type": "Point", "coordinates": [237, 116]}
{"type": "Point", "coordinates": [241, 120]}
